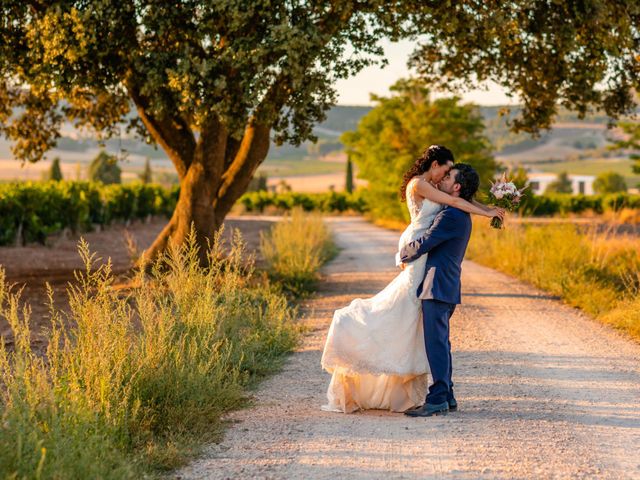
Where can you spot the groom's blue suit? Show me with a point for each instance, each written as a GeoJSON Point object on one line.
{"type": "Point", "coordinates": [445, 242]}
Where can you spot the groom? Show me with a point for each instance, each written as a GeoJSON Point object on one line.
{"type": "Point", "coordinates": [445, 242]}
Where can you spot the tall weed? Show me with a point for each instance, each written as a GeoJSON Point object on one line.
{"type": "Point", "coordinates": [296, 248]}
{"type": "Point", "coordinates": [131, 381]}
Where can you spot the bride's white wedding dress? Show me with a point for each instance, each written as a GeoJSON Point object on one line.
{"type": "Point", "coordinates": [375, 347]}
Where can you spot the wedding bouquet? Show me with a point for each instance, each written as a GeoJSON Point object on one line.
{"type": "Point", "coordinates": [506, 195]}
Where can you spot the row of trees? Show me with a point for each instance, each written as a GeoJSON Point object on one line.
{"type": "Point", "coordinates": [104, 168]}
{"type": "Point", "coordinates": [212, 83]}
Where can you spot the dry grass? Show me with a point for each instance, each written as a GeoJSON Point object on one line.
{"type": "Point", "coordinates": [132, 383]}
{"type": "Point", "coordinates": [597, 272]}
{"type": "Point", "coordinates": [296, 248]}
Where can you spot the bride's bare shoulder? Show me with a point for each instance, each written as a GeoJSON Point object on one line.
{"type": "Point", "coordinates": [413, 188]}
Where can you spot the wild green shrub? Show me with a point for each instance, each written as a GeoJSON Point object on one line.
{"type": "Point", "coordinates": [55, 172]}
{"type": "Point", "coordinates": [564, 204]}
{"type": "Point", "coordinates": [295, 249]}
{"type": "Point", "coordinates": [609, 182]}
{"type": "Point", "coordinates": [330, 202]}
{"type": "Point", "coordinates": [131, 380]}
{"type": "Point", "coordinates": [104, 168]}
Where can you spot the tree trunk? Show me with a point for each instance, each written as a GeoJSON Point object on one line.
{"type": "Point", "coordinates": [212, 183]}
{"type": "Point", "coordinates": [214, 169]}
{"type": "Point", "coordinates": [194, 209]}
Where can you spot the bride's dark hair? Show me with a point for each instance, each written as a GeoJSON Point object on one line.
{"type": "Point", "coordinates": [434, 153]}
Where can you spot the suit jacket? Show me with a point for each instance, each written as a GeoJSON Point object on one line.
{"type": "Point", "coordinates": [446, 243]}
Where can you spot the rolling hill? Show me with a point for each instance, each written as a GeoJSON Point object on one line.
{"type": "Point", "coordinates": [572, 144]}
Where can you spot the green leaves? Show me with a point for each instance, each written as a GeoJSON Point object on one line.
{"type": "Point", "coordinates": [31, 211]}
{"type": "Point", "coordinates": [582, 56]}
{"type": "Point", "coordinates": [609, 182]}
{"type": "Point", "coordinates": [391, 136]}
{"type": "Point", "coordinates": [182, 63]}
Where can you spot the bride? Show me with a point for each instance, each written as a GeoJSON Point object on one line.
{"type": "Point", "coordinates": [375, 347]}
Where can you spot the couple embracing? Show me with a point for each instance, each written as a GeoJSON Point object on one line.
{"type": "Point", "coordinates": [381, 350]}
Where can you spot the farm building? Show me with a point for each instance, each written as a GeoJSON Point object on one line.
{"type": "Point", "coordinates": [538, 182]}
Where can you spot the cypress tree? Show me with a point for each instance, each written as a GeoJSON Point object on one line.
{"type": "Point", "coordinates": [349, 180]}
{"type": "Point", "coordinates": [146, 174]}
{"type": "Point", "coordinates": [55, 172]}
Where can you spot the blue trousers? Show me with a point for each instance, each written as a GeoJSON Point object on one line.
{"type": "Point", "coordinates": [435, 318]}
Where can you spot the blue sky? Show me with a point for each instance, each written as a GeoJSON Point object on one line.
{"type": "Point", "coordinates": [356, 90]}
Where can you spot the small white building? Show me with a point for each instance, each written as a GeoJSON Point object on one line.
{"type": "Point", "coordinates": [581, 184]}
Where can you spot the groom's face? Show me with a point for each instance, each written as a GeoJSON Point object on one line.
{"type": "Point", "coordinates": [449, 184]}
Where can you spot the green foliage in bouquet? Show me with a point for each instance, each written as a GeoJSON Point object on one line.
{"type": "Point", "coordinates": [504, 194]}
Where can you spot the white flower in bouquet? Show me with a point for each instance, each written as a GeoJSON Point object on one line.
{"type": "Point", "coordinates": [505, 194]}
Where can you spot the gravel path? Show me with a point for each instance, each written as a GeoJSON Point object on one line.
{"type": "Point", "coordinates": [543, 391]}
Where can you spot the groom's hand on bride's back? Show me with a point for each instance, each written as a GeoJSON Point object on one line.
{"type": "Point", "coordinates": [443, 228]}
{"type": "Point", "coordinates": [409, 252]}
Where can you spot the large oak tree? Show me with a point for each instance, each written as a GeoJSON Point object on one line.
{"type": "Point", "coordinates": [212, 81]}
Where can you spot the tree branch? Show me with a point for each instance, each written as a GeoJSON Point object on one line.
{"type": "Point", "coordinates": [254, 146]}
{"type": "Point", "coordinates": [252, 151]}
{"type": "Point", "coordinates": [173, 134]}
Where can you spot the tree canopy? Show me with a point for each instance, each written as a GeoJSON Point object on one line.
{"type": "Point", "coordinates": [104, 168]}
{"type": "Point", "coordinates": [579, 55]}
{"type": "Point", "coordinates": [392, 136]}
{"type": "Point", "coordinates": [562, 184]}
{"type": "Point", "coordinates": [55, 172]}
{"type": "Point", "coordinates": [146, 176]}
{"type": "Point", "coordinates": [184, 66]}
{"type": "Point", "coordinates": [609, 182]}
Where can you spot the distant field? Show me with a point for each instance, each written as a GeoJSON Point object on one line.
{"type": "Point", "coordinates": [286, 168]}
{"type": "Point", "coordinates": [563, 141]}
{"type": "Point", "coordinates": [595, 167]}
{"type": "Point", "coordinates": [315, 183]}
{"type": "Point", "coordinates": [11, 170]}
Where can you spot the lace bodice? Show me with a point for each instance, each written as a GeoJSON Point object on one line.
{"type": "Point", "coordinates": [422, 215]}
{"type": "Point", "coordinates": [422, 211]}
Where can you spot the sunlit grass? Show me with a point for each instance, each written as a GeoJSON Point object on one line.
{"type": "Point", "coordinates": [296, 248]}
{"type": "Point", "coordinates": [131, 382]}
{"type": "Point", "coordinates": [597, 272]}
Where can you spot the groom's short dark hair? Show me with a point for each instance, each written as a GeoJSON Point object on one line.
{"type": "Point", "coordinates": [468, 179]}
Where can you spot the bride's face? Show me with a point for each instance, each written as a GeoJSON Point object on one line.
{"type": "Point", "coordinates": [439, 171]}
